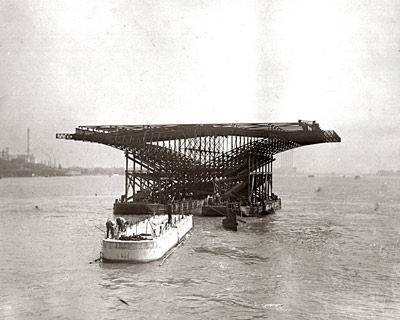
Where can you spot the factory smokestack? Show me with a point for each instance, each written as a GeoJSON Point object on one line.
{"type": "Point", "coordinates": [27, 147]}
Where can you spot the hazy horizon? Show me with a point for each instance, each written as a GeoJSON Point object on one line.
{"type": "Point", "coordinates": [71, 63]}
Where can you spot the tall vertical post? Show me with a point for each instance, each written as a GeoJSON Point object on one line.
{"type": "Point", "coordinates": [133, 175]}
{"type": "Point", "coordinates": [27, 146]}
{"type": "Point", "coordinates": [126, 175]}
{"type": "Point", "coordinates": [270, 177]}
{"type": "Point", "coordinates": [272, 161]}
{"type": "Point", "coordinates": [249, 186]}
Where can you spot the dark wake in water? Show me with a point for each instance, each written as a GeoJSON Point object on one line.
{"type": "Point", "coordinates": [232, 253]}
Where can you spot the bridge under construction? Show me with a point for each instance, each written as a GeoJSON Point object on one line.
{"type": "Point", "coordinates": [175, 161]}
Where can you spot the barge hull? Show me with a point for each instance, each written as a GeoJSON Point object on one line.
{"type": "Point", "coordinates": [146, 250]}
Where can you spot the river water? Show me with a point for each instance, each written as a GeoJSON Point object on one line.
{"type": "Point", "coordinates": [331, 252]}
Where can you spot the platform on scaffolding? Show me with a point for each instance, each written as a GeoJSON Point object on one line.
{"type": "Point", "coordinates": [190, 164]}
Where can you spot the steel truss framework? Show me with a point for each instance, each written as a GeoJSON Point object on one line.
{"type": "Point", "coordinates": [180, 160]}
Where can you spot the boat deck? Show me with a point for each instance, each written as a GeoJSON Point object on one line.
{"type": "Point", "coordinates": [147, 240]}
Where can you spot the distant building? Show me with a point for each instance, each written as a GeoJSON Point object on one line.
{"type": "Point", "coordinates": [73, 173]}
{"type": "Point", "coordinates": [286, 167]}
{"type": "Point", "coordinates": [26, 158]}
{"type": "Point", "coordinates": [286, 171]}
{"type": "Point", "coordinates": [388, 173]}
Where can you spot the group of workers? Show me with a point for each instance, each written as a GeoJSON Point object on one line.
{"type": "Point", "coordinates": [120, 223]}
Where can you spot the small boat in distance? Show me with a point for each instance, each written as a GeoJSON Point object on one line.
{"type": "Point", "coordinates": [357, 177]}
{"type": "Point", "coordinates": [147, 240]}
{"type": "Point", "coordinates": [260, 209]}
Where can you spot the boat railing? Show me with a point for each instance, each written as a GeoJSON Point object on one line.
{"type": "Point", "coordinates": [159, 230]}
{"type": "Point", "coordinates": [148, 230]}
{"type": "Point", "coordinates": [185, 205]}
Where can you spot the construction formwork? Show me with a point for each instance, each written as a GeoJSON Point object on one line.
{"type": "Point", "coordinates": [232, 162]}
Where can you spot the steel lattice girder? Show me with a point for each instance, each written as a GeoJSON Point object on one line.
{"type": "Point", "coordinates": [195, 156]}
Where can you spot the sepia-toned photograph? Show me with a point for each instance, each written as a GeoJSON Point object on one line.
{"type": "Point", "coordinates": [199, 159]}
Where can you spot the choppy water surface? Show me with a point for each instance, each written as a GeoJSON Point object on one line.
{"type": "Point", "coordinates": [332, 252]}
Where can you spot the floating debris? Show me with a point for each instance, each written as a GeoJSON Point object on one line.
{"type": "Point", "coordinates": [123, 301]}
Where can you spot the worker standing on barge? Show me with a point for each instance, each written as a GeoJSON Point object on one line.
{"type": "Point", "coordinates": [121, 222]}
{"type": "Point", "coordinates": [110, 228]}
{"type": "Point", "coordinates": [169, 213]}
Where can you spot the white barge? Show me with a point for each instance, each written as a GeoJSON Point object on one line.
{"type": "Point", "coordinates": [147, 240]}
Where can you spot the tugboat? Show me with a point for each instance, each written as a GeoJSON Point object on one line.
{"type": "Point", "coordinates": [261, 209]}
{"type": "Point", "coordinates": [230, 223]}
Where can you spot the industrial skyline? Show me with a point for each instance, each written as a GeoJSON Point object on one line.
{"type": "Point", "coordinates": [66, 64]}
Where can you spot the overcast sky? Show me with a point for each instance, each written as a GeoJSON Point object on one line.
{"type": "Point", "coordinates": [69, 63]}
